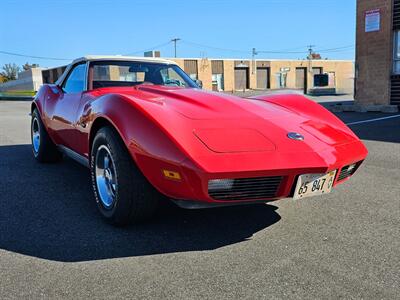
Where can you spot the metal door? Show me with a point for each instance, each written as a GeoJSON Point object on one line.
{"type": "Point", "coordinates": [301, 79]}
{"type": "Point", "coordinates": [263, 78]}
{"type": "Point", "coordinates": [241, 82]}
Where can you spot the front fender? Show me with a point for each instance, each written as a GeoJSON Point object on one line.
{"type": "Point", "coordinates": [150, 146]}
{"type": "Point", "coordinates": [304, 106]}
{"type": "Point", "coordinates": [38, 101]}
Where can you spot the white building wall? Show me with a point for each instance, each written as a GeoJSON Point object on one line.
{"type": "Point", "coordinates": [29, 80]}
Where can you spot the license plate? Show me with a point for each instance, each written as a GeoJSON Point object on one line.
{"type": "Point", "coordinates": [314, 184]}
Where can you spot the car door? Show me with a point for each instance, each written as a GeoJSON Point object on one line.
{"type": "Point", "coordinates": [63, 121]}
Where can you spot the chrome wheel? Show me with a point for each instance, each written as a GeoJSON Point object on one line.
{"type": "Point", "coordinates": [35, 135]}
{"type": "Point", "coordinates": [105, 176]}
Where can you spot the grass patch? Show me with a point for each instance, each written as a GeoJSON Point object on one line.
{"type": "Point", "coordinates": [18, 93]}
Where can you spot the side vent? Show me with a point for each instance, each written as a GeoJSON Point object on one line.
{"type": "Point", "coordinates": [396, 15]}
{"type": "Point", "coordinates": [395, 90]}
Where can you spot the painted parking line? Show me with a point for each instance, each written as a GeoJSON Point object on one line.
{"type": "Point", "coordinates": [373, 120]}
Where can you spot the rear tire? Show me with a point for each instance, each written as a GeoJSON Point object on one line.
{"type": "Point", "coordinates": [123, 195]}
{"type": "Point", "coordinates": [43, 148]}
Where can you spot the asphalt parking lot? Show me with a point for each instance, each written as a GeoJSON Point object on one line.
{"type": "Point", "coordinates": [53, 243]}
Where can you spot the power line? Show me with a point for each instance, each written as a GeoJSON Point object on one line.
{"type": "Point", "coordinates": [149, 49]}
{"type": "Point", "coordinates": [287, 51]}
{"type": "Point", "coordinates": [212, 47]}
{"type": "Point", "coordinates": [281, 52]}
{"type": "Point", "coordinates": [343, 50]}
{"type": "Point", "coordinates": [254, 51]}
{"type": "Point", "coordinates": [242, 51]}
{"type": "Point", "coordinates": [32, 56]}
{"type": "Point", "coordinates": [335, 49]}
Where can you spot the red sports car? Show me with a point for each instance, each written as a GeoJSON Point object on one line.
{"type": "Point", "coordinates": [145, 129]}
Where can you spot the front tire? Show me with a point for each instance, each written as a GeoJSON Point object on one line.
{"type": "Point", "coordinates": [122, 193]}
{"type": "Point", "coordinates": [43, 148]}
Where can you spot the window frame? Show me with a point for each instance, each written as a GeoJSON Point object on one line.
{"type": "Point", "coordinates": [91, 64]}
{"type": "Point", "coordinates": [85, 81]}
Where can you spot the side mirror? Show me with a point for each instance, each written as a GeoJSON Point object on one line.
{"type": "Point", "coordinates": [199, 83]}
{"type": "Point", "coordinates": [56, 89]}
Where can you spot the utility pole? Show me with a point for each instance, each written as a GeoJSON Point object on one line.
{"type": "Point", "coordinates": [310, 54]}
{"type": "Point", "coordinates": [253, 54]}
{"type": "Point", "coordinates": [174, 41]}
{"type": "Point", "coordinates": [309, 57]}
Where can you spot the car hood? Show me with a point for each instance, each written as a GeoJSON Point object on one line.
{"type": "Point", "coordinates": [198, 104]}
{"type": "Point", "coordinates": [228, 124]}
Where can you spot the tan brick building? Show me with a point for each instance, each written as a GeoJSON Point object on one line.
{"type": "Point", "coordinates": [378, 52]}
{"type": "Point", "coordinates": [237, 75]}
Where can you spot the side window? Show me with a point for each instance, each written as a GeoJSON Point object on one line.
{"type": "Point", "coordinates": [171, 77]}
{"type": "Point", "coordinates": [75, 82]}
{"type": "Point", "coordinates": [396, 53]}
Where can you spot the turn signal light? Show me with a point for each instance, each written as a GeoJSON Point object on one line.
{"type": "Point", "coordinates": [171, 175]}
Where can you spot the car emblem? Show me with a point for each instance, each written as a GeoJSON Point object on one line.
{"type": "Point", "coordinates": [295, 136]}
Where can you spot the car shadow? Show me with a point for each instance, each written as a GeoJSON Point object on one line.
{"type": "Point", "coordinates": [48, 211]}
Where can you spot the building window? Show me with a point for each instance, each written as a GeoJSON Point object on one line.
{"type": "Point", "coordinates": [281, 79]}
{"type": "Point", "coordinates": [217, 82]}
{"type": "Point", "coordinates": [190, 67]}
{"type": "Point", "coordinates": [396, 52]}
{"type": "Point", "coordinates": [193, 76]}
{"type": "Point", "coordinates": [321, 80]}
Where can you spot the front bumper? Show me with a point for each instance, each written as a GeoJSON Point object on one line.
{"type": "Point", "coordinates": [192, 190]}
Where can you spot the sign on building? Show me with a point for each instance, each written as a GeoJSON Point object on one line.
{"type": "Point", "coordinates": [372, 20]}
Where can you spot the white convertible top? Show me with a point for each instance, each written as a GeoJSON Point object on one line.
{"type": "Point", "coordinates": [89, 58]}
{"type": "Point", "coordinates": [123, 58]}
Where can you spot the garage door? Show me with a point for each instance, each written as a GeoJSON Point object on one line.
{"type": "Point", "coordinates": [263, 78]}
{"type": "Point", "coordinates": [190, 68]}
{"type": "Point", "coordinates": [241, 82]}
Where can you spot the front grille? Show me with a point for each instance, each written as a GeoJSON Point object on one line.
{"type": "Point", "coordinates": [248, 189]}
{"type": "Point", "coordinates": [348, 171]}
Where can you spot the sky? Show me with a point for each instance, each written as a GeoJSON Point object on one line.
{"type": "Point", "coordinates": [277, 29]}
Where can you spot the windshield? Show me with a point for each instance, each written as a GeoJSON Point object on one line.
{"type": "Point", "coordinates": [116, 73]}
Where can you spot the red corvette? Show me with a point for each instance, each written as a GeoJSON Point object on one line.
{"type": "Point", "coordinates": [145, 129]}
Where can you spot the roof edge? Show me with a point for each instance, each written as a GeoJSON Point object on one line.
{"type": "Point", "coordinates": [122, 58]}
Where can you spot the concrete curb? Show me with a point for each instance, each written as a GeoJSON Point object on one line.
{"type": "Point", "coordinates": [10, 98]}
{"type": "Point", "coordinates": [364, 108]}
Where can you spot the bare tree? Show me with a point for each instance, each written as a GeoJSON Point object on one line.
{"type": "Point", "coordinates": [10, 72]}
